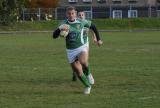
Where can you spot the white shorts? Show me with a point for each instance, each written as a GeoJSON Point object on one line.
{"type": "Point", "coordinates": [73, 54]}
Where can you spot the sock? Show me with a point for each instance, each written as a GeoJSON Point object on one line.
{"type": "Point", "coordinates": [74, 74]}
{"type": "Point", "coordinates": [86, 70]}
{"type": "Point", "coordinates": [84, 80]}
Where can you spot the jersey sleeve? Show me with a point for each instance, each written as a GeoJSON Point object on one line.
{"type": "Point", "coordinates": [87, 23]}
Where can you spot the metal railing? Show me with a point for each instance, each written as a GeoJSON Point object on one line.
{"type": "Point", "coordinates": [41, 14]}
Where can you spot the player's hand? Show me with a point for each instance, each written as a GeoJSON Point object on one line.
{"type": "Point", "coordinates": [94, 40]}
{"type": "Point", "coordinates": [64, 27]}
{"type": "Point", "coordinates": [99, 43]}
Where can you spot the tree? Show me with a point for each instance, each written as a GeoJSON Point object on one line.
{"type": "Point", "coordinates": [7, 11]}
{"type": "Point", "coordinates": [43, 3]}
{"type": "Point", "coordinates": [12, 4]}
{"type": "Point", "coordinates": [10, 9]}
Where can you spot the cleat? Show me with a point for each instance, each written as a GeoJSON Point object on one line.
{"type": "Point", "coordinates": [90, 79]}
{"type": "Point", "coordinates": [87, 90]}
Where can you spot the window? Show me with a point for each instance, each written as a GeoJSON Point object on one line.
{"type": "Point", "coordinates": [117, 13]}
{"type": "Point", "coordinates": [72, 1]}
{"type": "Point", "coordinates": [132, 1]}
{"type": "Point", "coordinates": [116, 1]}
{"type": "Point", "coordinates": [158, 13]}
{"type": "Point", "coordinates": [87, 1]}
{"type": "Point", "coordinates": [101, 1]}
{"type": "Point", "coordinates": [132, 14]}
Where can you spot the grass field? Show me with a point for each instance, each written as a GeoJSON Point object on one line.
{"type": "Point", "coordinates": [112, 24]}
{"type": "Point", "coordinates": [34, 72]}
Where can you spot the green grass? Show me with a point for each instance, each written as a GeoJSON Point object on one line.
{"type": "Point", "coordinates": [34, 72]}
{"type": "Point", "coordinates": [108, 24]}
{"type": "Point", "coordinates": [133, 23]}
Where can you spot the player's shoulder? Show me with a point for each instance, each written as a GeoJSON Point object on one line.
{"type": "Point", "coordinates": [85, 21]}
{"type": "Point", "coordinates": [64, 21]}
{"type": "Point", "coordinates": [78, 20]}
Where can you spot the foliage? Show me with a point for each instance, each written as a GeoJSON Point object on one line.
{"type": "Point", "coordinates": [10, 9]}
{"type": "Point", "coordinates": [43, 3]}
{"type": "Point", "coordinates": [7, 11]}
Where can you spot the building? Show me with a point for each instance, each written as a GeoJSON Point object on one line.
{"type": "Point", "coordinates": [112, 8]}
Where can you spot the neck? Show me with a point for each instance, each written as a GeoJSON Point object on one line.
{"type": "Point", "coordinates": [71, 20]}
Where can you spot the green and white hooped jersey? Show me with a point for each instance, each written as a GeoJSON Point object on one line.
{"type": "Point", "coordinates": [78, 34]}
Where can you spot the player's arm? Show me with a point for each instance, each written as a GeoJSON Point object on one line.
{"type": "Point", "coordinates": [56, 33]}
{"type": "Point", "coordinates": [93, 37]}
{"type": "Point", "coordinates": [94, 29]}
{"type": "Point", "coordinates": [62, 27]}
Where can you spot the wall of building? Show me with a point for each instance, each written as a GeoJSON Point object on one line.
{"type": "Point", "coordinates": [105, 9]}
{"type": "Point", "coordinates": [143, 8]}
{"type": "Point", "coordinates": [108, 2]}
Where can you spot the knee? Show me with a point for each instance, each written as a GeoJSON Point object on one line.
{"type": "Point", "coordinates": [85, 65]}
{"type": "Point", "coordinates": [83, 62]}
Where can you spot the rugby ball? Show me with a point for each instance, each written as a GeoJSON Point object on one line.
{"type": "Point", "coordinates": [64, 33]}
{"type": "Point", "coordinates": [64, 30]}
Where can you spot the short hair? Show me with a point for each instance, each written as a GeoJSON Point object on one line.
{"type": "Point", "coordinates": [70, 8]}
{"type": "Point", "coordinates": [81, 12]}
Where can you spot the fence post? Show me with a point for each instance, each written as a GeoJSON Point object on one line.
{"type": "Point", "coordinates": [91, 12]}
{"type": "Point", "coordinates": [23, 14]}
{"type": "Point", "coordinates": [149, 11]}
{"type": "Point", "coordinates": [110, 11]}
{"type": "Point", "coordinates": [39, 14]}
{"type": "Point", "coordinates": [55, 14]}
{"type": "Point", "coordinates": [129, 13]}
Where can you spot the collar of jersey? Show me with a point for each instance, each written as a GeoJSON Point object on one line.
{"type": "Point", "coordinates": [76, 21]}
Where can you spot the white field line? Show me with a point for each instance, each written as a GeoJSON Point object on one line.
{"type": "Point", "coordinates": [147, 97]}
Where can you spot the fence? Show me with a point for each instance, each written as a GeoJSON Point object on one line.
{"type": "Point", "coordinates": [40, 14]}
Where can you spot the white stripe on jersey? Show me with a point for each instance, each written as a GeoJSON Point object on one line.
{"type": "Point", "coordinates": [82, 40]}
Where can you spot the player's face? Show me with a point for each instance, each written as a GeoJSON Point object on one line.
{"type": "Point", "coordinates": [71, 15]}
{"type": "Point", "coordinates": [81, 15]}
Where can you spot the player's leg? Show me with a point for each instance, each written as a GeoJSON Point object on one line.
{"type": "Point", "coordinates": [72, 57]}
{"type": "Point", "coordinates": [83, 59]}
{"type": "Point", "coordinates": [74, 77]}
{"type": "Point", "coordinates": [74, 74]}
{"type": "Point", "coordinates": [78, 68]}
